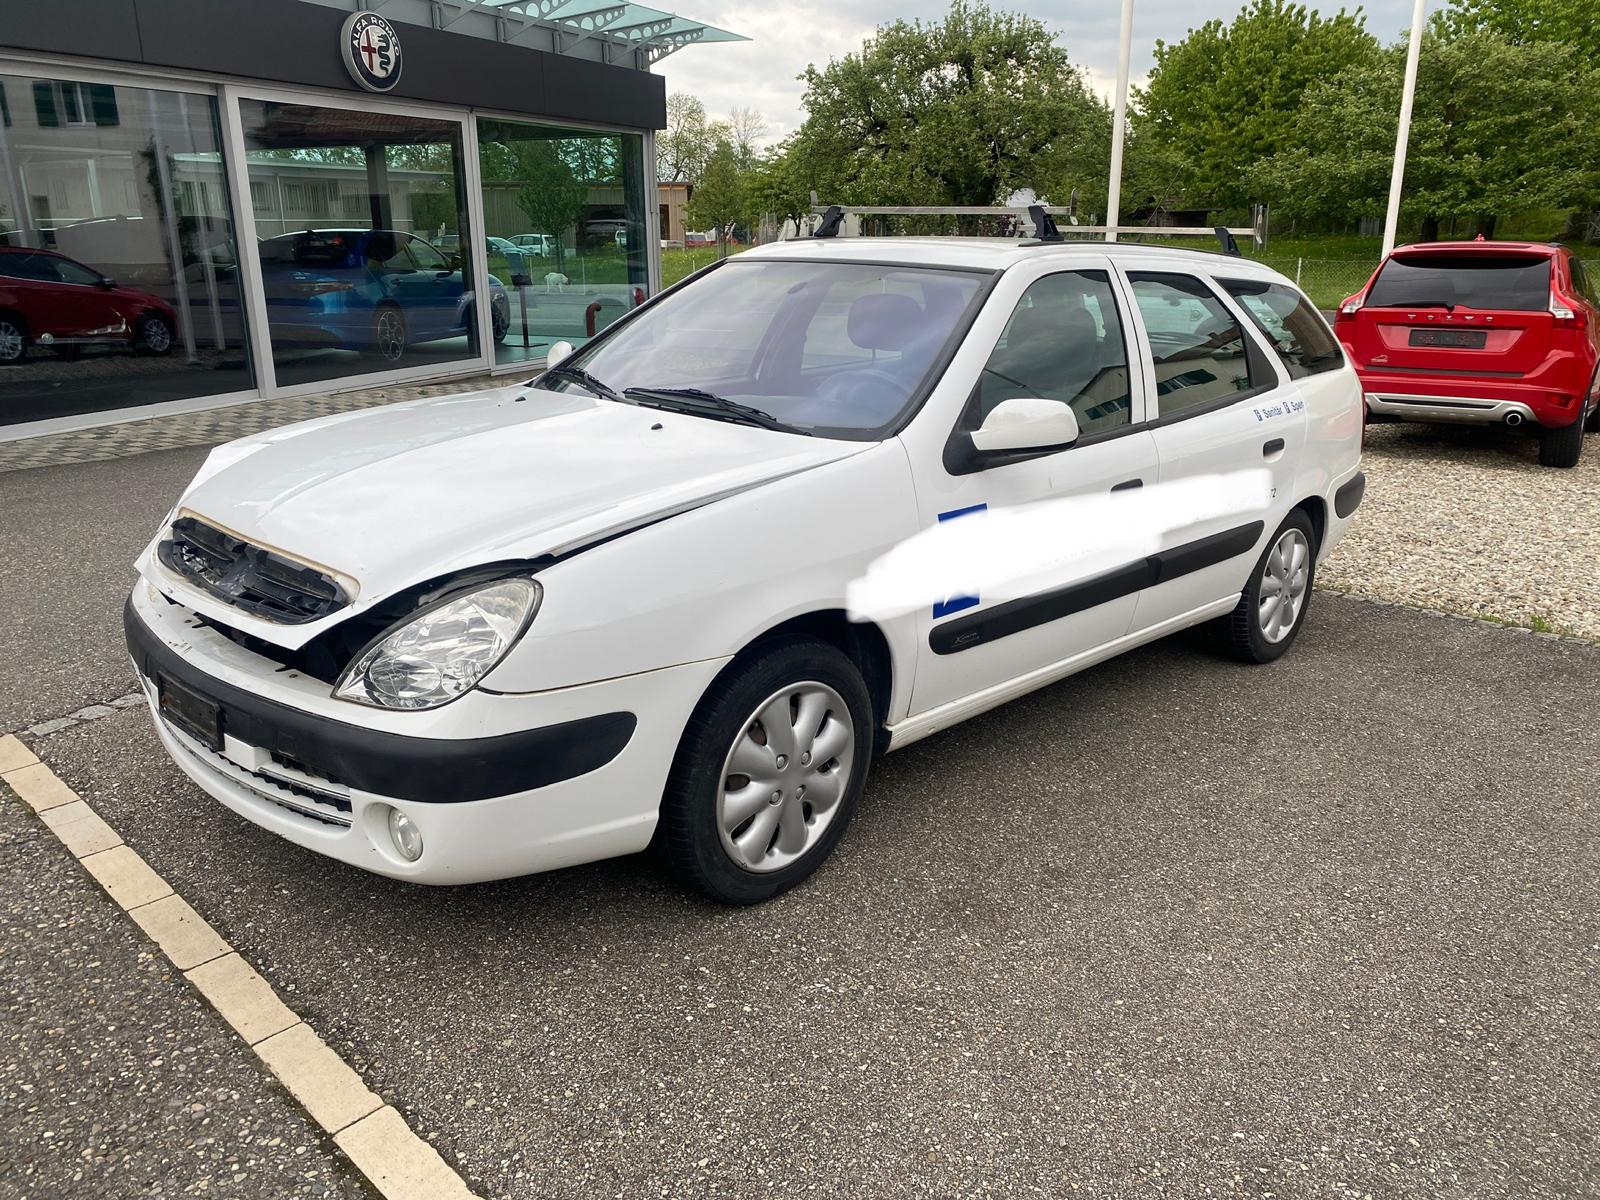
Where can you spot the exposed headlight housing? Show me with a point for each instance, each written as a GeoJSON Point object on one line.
{"type": "Point", "coordinates": [444, 650]}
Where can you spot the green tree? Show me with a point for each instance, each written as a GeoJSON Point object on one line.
{"type": "Point", "coordinates": [719, 199]}
{"type": "Point", "coordinates": [552, 196]}
{"type": "Point", "coordinates": [1573, 22]}
{"type": "Point", "coordinates": [962, 111]}
{"type": "Point", "coordinates": [1497, 128]}
{"type": "Point", "coordinates": [1228, 96]}
{"type": "Point", "coordinates": [684, 146]}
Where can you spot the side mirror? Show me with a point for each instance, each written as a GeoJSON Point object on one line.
{"type": "Point", "coordinates": [558, 352]}
{"type": "Point", "coordinates": [1026, 424]}
{"type": "Point", "coordinates": [107, 282]}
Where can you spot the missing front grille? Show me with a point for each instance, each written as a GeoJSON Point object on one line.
{"type": "Point", "coordinates": [249, 577]}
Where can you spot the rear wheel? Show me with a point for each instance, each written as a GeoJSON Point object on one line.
{"type": "Point", "coordinates": [13, 339]}
{"type": "Point", "coordinates": [389, 333]}
{"type": "Point", "coordinates": [1272, 607]}
{"type": "Point", "coordinates": [1561, 447]}
{"type": "Point", "coordinates": [769, 770]}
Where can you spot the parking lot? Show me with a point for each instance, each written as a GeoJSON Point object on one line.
{"type": "Point", "coordinates": [1174, 926]}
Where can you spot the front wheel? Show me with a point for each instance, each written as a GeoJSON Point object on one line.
{"type": "Point", "coordinates": [152, 334]}
{"type": "Point", "coordinates": [769, 770]}
{"type": "Point", "coordinates": [1561, 447]}
{"type": "Point", "coordinates": [1273, 605]}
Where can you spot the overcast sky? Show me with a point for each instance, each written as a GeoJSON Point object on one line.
{"type": "Point", "coordinates": [786, 36]}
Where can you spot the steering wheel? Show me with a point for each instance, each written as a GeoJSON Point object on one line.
{"type": "Point", "coordinates": [841, 393]}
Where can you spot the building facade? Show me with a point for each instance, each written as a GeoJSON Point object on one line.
{"type": "Point", "coordinates": [211, 201]}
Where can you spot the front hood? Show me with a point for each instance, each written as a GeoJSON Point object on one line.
{"type": "Point", "coordinates": [393, 496]}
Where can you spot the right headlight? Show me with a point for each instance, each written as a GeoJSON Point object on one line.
{"type": "Point", "coordinates": [442, 651]}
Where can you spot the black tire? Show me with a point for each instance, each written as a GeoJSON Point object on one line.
{"type": "Point", "coordinates": [388, 333]}
{"type": "Point", "coordinates": [13, 339]}
{"type": "Point", "coordinates": [1561, 447]}
{"type": "Point", "coordinates": [689, 833]}
{"type": "Point", "coordinates": [1246, 640]}
{"type": "Point", "coordinates": [500, 325]}
{"type": "Point", "coordinates": [152, 334]}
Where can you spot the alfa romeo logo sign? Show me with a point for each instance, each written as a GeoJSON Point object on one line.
{"type": "Point", "coordinates": [371, 51]}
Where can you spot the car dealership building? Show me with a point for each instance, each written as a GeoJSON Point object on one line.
{"type": "Point", "coordinates": [211, 201]}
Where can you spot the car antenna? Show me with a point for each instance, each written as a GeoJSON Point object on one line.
{"type": "Point", "coordinates": [1229, 246]}
{"type": "Point", "coordinates": [1044, 225]}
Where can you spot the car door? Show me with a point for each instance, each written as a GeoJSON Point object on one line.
{"type": "Point", "coordinates": [436, 289]}
{"type": "Point", "coordinates": [1221, 406]}
{"type": "Point", "coordinates": [87, 305]}
{"type": "Point", "coordinates": [1062, 338]}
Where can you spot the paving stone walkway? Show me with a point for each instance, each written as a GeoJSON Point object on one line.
{"type": "Point", "coordinates": [213, 426]}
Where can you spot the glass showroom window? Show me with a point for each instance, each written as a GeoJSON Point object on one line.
{"type": "Point", "coordinates": [118, 278]}
{"type": "Point", "coordinates": [564, 214]}
{"type": "Point", "coordinates": [360, 217]}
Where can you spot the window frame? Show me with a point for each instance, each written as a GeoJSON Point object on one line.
{"type": "Point", "coordinates": [1259, 361]}
{"type": "Point", "coordinates": [1338, 364]}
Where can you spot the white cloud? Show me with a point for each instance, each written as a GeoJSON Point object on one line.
{"type": "Point", "coordinates": [787, 37]}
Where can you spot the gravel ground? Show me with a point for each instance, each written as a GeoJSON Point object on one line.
{"type": "Point", "coordinates": [1465, 520]}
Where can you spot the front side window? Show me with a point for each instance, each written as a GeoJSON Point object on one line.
{"type": "Point", "coordinates": [68, 271]}
{"type": "Point", "coordinates": [1197, 346]}
{"type": "Point", "coordinates": [1297, 331]}
{"type": "Point", "coordinates": [1063, 342]}
{"type": "Point", "coordinates": [836, 349]}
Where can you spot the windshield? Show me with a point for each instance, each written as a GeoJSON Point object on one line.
{"type": "Point", "coordinates": [1503, 281]}
{"type": "Point", "coordinates": [834, 349]}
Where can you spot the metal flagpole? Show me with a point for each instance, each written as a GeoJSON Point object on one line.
{"type": "Point", "coordinates": [1403, 134]}
{"type": "Point", "coordinates": [1118, 120]}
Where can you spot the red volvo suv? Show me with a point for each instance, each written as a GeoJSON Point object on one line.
{"type": "Point", "coordinates": [1486, 332]}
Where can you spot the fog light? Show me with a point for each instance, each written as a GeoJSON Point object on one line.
{"type": "Point", "coordinates": [406, 836]}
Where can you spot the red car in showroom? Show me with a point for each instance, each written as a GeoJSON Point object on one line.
{"type": "Point", "coordinates": [1481, 332]}
{"type": "Point", "coordinates": [48, 299]}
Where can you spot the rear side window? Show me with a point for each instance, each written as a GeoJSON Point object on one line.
{"type": "Point", "coordinates": [1519, 282]}
{"type": "Point", "coordinates": [1197, 346]}
{"type": "Point", "coordinates": [1296, 329]}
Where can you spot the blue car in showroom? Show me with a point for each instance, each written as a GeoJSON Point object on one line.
{"type": "Point", "coordinates": [377, 291]}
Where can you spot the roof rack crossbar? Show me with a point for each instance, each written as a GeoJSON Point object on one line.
{"type": "Point", "coordinates": [833, 219]}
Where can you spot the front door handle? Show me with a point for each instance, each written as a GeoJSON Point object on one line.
{"type": "Point", "coordinates": [1268, 449]}
{"type": "Point", "coordinates": [1127, 485]}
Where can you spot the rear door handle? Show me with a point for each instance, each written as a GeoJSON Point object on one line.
{"type": "Point", "coordinates": [1127, 485]}
{"type": "Point", "coordinates": [1268, 449]}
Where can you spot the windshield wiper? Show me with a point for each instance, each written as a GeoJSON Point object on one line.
{"type": "Point", "coordinates": [701, 403]}
{"type": "Point", "coordinates": [588, 381]}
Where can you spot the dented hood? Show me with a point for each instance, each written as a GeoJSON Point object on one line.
{"type": "Point", "coordinates": [389, 497]}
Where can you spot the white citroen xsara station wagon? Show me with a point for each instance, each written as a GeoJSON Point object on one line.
{"type": "Point", "coordinates": [482, 635]}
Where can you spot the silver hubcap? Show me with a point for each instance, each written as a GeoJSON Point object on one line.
{"type": "Point", "coordinates": [10, 341]}
{"type": "Point", "coordinates": [391, 335]}
{"type": "Point", "coordinates": [785, 775]}
{"type": "Point", "coordinates": [1283, 585]}
{"type": "Point", "coordinates": [157, 336]}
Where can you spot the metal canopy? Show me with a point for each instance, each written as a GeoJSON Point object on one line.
{"type": "Point", "coordinates": [611, 31]}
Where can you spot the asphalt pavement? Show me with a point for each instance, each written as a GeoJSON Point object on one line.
{"type": "Point", "coordinates": [1175, 926]}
